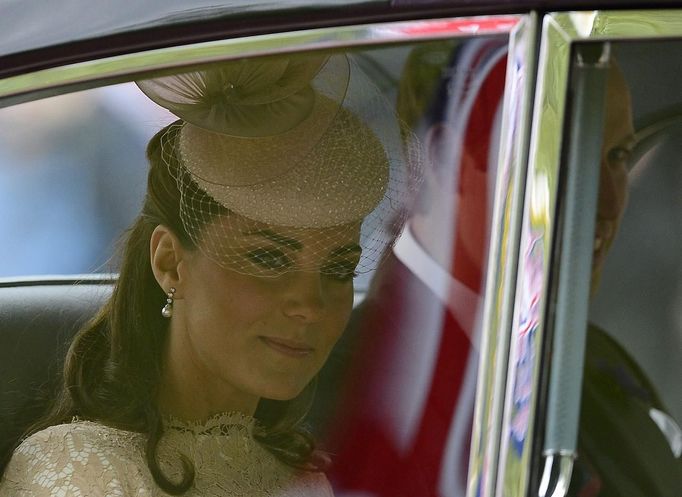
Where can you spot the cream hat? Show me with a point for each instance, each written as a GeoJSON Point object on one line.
{"type": "Point", "coordinates": [332, 183]}
{"type": "Point", "coordinates": [283, 141]}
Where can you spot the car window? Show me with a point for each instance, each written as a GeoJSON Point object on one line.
{"type": "Point", "coordinates": [588, 402]}
{"type": "Point", "coordinates": [599, 355]}
{"type": "Point", "coordinates": [414, 342]}
{"type": "Point", "coordinates": [631, 404]}
{"type": "Point", "coordinates": [639, 287]}
{"type": "Point", "coordinates": [393, 401]}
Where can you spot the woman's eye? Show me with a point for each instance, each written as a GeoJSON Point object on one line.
{"type": "Point", "coordinates": [269, 258]}
{"type": "Point", "coordinates": [341, 271]}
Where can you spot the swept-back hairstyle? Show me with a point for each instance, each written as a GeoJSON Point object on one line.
{"type": "Point", "coordinates": [113, 367]}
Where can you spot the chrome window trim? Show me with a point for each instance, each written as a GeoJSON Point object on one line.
{"type": "Point", "coordinates": [502, 257]}
{"type": "Point", "coordinates": [53, 81]}
{"type": "Point", "coordinates": [560, 31]}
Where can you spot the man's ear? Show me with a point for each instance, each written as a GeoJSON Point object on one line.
{"type": "Point", "coordinates": [166, 254]}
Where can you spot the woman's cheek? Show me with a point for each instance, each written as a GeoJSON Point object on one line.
{"type": "Point", "coordinates": [248, 298]}
{"type": "Point", "coordinates": [341, 313]}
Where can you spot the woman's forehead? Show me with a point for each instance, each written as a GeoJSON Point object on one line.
{"type": "Point", "coordinates": [241, 231]}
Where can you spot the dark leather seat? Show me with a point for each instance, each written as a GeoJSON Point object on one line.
{"type": "Point", "coordinates": [38, 317]}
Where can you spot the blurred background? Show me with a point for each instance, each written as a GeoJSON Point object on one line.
{"type": "Point", "coordinates": [72, 178]}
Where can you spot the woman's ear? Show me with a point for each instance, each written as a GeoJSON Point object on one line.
{"type": "Point", "coordinates": [166, 254]}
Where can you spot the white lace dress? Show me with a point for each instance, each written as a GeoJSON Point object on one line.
{"type": "Point", "coordinates": [83, 458]}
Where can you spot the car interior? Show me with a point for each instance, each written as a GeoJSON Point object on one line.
{"type": "Point", "coordinates": [638, 301]}
{"type": "Point", "coordinates": [104, 182]}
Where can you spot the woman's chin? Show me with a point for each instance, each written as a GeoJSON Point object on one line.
{"type": "Point", "coordinates": [284, 392]}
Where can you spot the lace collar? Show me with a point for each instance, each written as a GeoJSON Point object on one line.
{"type": "Point", "coordinates": [224, 423]}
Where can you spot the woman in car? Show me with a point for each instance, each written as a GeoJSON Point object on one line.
{"type": "Point", "coordinates": [263, 201]}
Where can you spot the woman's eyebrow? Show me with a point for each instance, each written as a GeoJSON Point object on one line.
{"type": "Point", "coordinates": [277, 238]}
{"type": "Point", "coordinates": [346, 249]}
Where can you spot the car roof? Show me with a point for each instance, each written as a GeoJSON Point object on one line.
{"type": "Point", "coordinates": [29, 27]}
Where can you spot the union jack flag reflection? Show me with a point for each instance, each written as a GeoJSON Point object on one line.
{"type": "Point", "coordinates": [403, 422]}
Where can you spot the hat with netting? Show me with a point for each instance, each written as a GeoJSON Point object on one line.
{"type": "Point", "coordinates": [300, 148]}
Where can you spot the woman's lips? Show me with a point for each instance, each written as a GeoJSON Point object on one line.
{"type": "Point", "coordinates": [290, 348]}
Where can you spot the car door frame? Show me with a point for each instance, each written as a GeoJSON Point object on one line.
{"type": "Point", "coordinates": [534, 320]}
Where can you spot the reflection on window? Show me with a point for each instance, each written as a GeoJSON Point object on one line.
{"type": "Point", "coordinates": [404, 413]}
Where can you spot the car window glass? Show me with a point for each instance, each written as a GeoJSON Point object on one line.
{"type": "Point", "coordinates": [393, 402]}
{"type": "Point", "coordinates": [404, 411]}
{"type": "Point", "coordinates": [629, 440]}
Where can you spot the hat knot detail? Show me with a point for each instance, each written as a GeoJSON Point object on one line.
{"type": "Point", "coordinates": [250, 98]}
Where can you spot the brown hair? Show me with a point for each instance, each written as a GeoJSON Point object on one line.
{"type": "Point", "coordinates": [113, 367]}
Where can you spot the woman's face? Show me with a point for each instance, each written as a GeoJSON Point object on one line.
{"type": "Point", "coordinates": [268, 328]}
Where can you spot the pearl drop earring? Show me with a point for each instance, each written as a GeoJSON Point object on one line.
{"type": "Point", "coordinates": [167, 310]}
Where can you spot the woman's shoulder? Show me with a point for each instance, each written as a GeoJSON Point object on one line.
{"type": "Point", "coordinates": [79, 438]}
{"type": "Point", "coordinates": [79, 458]}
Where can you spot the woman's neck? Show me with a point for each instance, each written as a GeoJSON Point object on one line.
{"type": "Point", "coordinates": [191, 393]}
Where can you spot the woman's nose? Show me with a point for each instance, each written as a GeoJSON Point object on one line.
{"type": "Point", "coordinates": [304, 299]}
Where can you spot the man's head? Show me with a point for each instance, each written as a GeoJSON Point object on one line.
{"type": "Point", "coordinates": [453, 107]}
{"type": "Point", "coordinates": [617, 145]}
